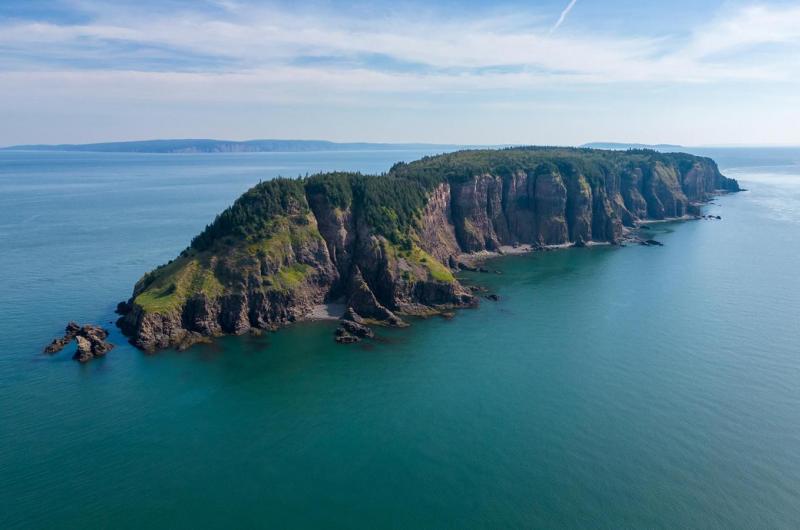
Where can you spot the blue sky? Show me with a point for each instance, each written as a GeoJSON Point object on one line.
{"type": "Point", "coordinates": [696, 72]}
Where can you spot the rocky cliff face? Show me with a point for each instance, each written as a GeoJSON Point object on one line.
{"type": "Point", "coordinates": [385, 244]}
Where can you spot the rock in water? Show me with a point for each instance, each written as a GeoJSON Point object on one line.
{"type": "Point", "coordinates": [652, 243]}
{"type": "Point", "coordinates": [354, 328]}
{"type": "Point", "coordinates": [91, 341]}
{"type": "Point", "coordinates": [57, 345]}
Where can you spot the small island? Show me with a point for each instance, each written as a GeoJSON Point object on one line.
{"type": "Point", "coordinates": [386, 246]}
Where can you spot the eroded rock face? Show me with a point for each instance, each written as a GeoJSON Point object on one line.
{"type": "Point", "coordinates": [363, 301]}
{"type": "Point", "coordinates": [91, 341]}
{"type": "Point", "coordinates": [551, 206]}
{"type": "Point", "coordinates": [437, 233]}
{"type": "Point", "coordinates": [474, 205]}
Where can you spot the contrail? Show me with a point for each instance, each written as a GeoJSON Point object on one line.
{"type": "Point", "coordinates": [564, 15]}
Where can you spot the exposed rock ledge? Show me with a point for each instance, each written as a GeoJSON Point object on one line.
{"type": "Point", "coordinates": [387, 246]}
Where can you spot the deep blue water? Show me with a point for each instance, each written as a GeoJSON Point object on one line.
{"type": "Point", "coordinates": [609, 387]}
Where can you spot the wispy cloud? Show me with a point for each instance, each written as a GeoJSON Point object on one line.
{"type": "Point", "coordinates": [563, 15]}
{"type": "Point", "coordinates": [280, 54]}
{"type": "Point", "coordinates": [263, 38]}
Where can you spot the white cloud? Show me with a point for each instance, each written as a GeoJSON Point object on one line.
{"type": "Point", "coordinates": [421, 58]}
{"type": "Point", "coordinates": [252, 40]}
{"type": "Point", "coordinates": [748, 27]}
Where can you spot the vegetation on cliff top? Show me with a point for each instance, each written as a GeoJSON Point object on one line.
{"type": "Point", "coordinates": [392, 203]}
{"type": "Point", "coordinates": [252, 215]}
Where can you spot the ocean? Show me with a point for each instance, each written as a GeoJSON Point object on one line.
{"type": "Point", "coordinates": [653, 387]}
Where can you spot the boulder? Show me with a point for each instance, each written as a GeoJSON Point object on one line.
{"type": "Point", "coordinates": [354, 328]}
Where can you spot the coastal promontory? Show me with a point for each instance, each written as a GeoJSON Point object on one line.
{"type": "Point", "coordinates": [386, 246]}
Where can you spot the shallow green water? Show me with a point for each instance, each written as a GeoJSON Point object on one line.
{"type": "Point", "coordinates": [609, 387]}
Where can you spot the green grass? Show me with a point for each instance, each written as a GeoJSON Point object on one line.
{"type": "Point", "coordinates": [175, 283]}
{"type": "Point", "coordinates": [421, 259]}
{"type": "Point", "coordinates": [289, 278]}
{"type": "Point", "coordinates": [438, 272]}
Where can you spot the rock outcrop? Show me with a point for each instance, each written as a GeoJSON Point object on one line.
{"type": "Point", "coordinates": [91, 341]}
{"type": "Point", "coordinates": [352, 328]}
{"type": "Point", "coordinates": [389, 244]}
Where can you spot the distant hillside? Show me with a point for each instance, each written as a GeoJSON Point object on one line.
{"type": "Point", "coordinates": [623, 146]}
{"type": "Point", "coordinates": [223, 146]}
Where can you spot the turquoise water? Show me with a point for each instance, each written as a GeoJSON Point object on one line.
{"type": "Point", "coordinates": [609, 387]}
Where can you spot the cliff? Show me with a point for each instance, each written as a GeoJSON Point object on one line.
{"type": "Point", "coordinates": [386, 244]}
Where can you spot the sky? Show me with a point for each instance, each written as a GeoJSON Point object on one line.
{"type": "Point", "coordinates": [564, 72]}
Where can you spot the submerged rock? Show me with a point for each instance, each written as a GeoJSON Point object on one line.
{"type": "Point", "coordinates": [191, 339]}
{"type": "Point", "coordinates": [342, 337]}
{"type": "Point", "coordinates": [651, 243]}
{"type": "Point", "coordinates": [57, 345]}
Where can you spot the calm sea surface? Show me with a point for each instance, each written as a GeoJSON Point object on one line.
{"type": "Point", "coordinates": [609, 387]}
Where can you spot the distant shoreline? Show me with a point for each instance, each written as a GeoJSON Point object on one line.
{"type": "Point", "coordinates": [202, 146]}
